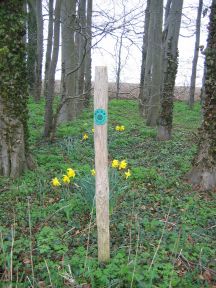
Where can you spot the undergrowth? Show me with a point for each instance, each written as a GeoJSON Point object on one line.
{"type": "Point", "coordinates": [162, 231]}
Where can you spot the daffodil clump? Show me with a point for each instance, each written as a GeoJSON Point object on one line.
{"type": "Point", "coordinates": [66, 178]}
{"type": "Point", "coordinates": [120, 128]}
{"type": "Point", "coordinates": [121, 165]}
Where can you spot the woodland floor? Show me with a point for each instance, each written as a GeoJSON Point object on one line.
{"type": "Point", "coordinates": [163, 232]}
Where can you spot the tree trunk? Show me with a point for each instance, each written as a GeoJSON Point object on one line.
{"type": "Point", "coordinates": [38, 83]}
{"type": "Point", "coordinates": [31, 47]}
{"type": "Point", "coordinates": [118, 52]}
{"type": "Point", "coordinates": [196, 54]}
{"type": "Point", "coordinates": [170, 64]}
{"type": "Point", "coordinates": [48, 117]}
{"type": "Point", "coordinates": [154, 101]}
{"type": "Point", "coordinates": [14, 150]}
{"type": "Point", "coordinates": [81, 48]}
{"type": "Point", "coordinates": [87, 96]}
{"type": "Point", "coordinates": [119, 64]}
{"type": "Point", "coordinates": [70, 62]}
{"type": "Point", "coordinates": [167, 12]}
{"type": "Point", "coordinates": [144, 53]}
{"type": "Point", "coordinates": [203, 172]}
{"type": "Point", "coordinates": [49, 47]}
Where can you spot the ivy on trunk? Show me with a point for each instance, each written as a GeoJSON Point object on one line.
{"type": "Point", "coordinates": [203, 172]}
{"type": "Point", "coordinates": [14, 149]}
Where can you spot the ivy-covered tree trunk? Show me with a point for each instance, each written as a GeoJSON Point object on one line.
{"type": "Point", "coordinates": [31, 47]}
{"type": "Point", "coordinates": [170, 64]}
{"type": "Point", "coordinates": [203, 172]}
{"type": "Point", "coordinates": [14, 150]}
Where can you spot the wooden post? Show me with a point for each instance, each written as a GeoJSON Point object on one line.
{"type": "Point", "coordinates": [101, 162]}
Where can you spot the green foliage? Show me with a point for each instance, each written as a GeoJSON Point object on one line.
{"type": "Point", "coordinates": [49, 242]}
{"type": "Point", "coordinates": [86, 187]}
{"type": "Point", "coordinates": [145, 174]}
{"type": "Point", "coordinates": [64, 234]}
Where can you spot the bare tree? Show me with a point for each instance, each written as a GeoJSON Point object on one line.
{"type": "Point", "coordinates": [144, 53]}
{"type": "Point", "coordinates": [88, 54]}
{"type": "Point", "coordinates": [118, 50]}
{"type": "Point", "coordinates": [203, 172]}
{"type": "Point", "coordinates": [196, 54]}
{"type": "Point", "coordinates": [39, 59]}
{"type": "Point", "coordinates": [48, 117]}
{"type": "Point", "coordinates": [155, 29]}
{"type": "Point", "coordinates": [81, 47]}
{"type": "Point", "coordinates": [49, 47]}
{"type": "Point", "coordinates": [69, 59]}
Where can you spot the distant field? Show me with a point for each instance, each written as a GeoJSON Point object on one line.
{"type": "Point", "coordinates": [131, 91]}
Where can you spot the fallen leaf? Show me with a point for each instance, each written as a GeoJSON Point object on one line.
{"type": "Point", "coordinates": [207, 276]}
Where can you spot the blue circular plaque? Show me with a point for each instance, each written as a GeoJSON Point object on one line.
{"type": "Point", "coordinates": [100, 117]}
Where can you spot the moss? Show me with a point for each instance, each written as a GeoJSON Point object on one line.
{"type": "Point", "coordinates": [13, 84]}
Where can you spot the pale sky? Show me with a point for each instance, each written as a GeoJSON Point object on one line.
{"type": "Point", "coordinates": [104, 51]}
{"type": "Point", "coordinates": [131, 71]}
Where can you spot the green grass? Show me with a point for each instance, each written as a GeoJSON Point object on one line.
{"type": "Point", "coordinates": [52, 225]}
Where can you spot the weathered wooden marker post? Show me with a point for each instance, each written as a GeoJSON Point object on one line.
{"type": "Point", "coordinates": [101, 162]}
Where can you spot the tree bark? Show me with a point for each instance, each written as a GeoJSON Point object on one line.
{"type": "Point", "coordinates": [144, 53]}
{"type": "Point", "coordinates": [31, 47]}
{"type": "Point", "coordinates": [81, 48]}
{"type": "Point", "coordinates": [170, 64]}
{"type": "Point", "coordinates": [196, 54]}
{"type": "Point", "coordinates": [154, 101]}
{"type": "Point", "coordinates": [48, 118]}
{"type": "Point", "coordinates": [167, 12]}
{"type": "Point", "coordinates": [14, 149]}
{"type": "Point", "coordinates": [88, 84]}
{"type": "Point", "coordinates": [39, 18]}
{"type": "Point", "coordinates": [70, 61]}
{"type": "Point", "coordinates": [203, 173]}
{"type": "Point", "coordinates": [119, 64]}
{"type": "Point", "coordinates": [49, 47]}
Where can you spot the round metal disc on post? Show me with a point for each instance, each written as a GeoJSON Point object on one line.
{"type": "Point", "coordinates": [101, 162]}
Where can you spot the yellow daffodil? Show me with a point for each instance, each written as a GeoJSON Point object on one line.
{"type": "Point", "coordinates": [55, 182]}
{"type": "Point", "coordinates": [115, 163]}
{"type": "Point", "coordinates": [66, 179]}
{"type": "Point", "coordinates": [71, 173]}
{"type": "Point", "coordinates": [127, 174]}
{"type": "Point", "coordinates": [118, 128]}
{"type": "Point", "coordinates": [85, 137]}
{"type": "Point", "coordinates": [122, 164]}
{"type": "Point", "coordinates": [122, 128]}
{"type": "Point", "coordinates": [93, 172]}
{"type": "Point", "coordinates": [93, 130]}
